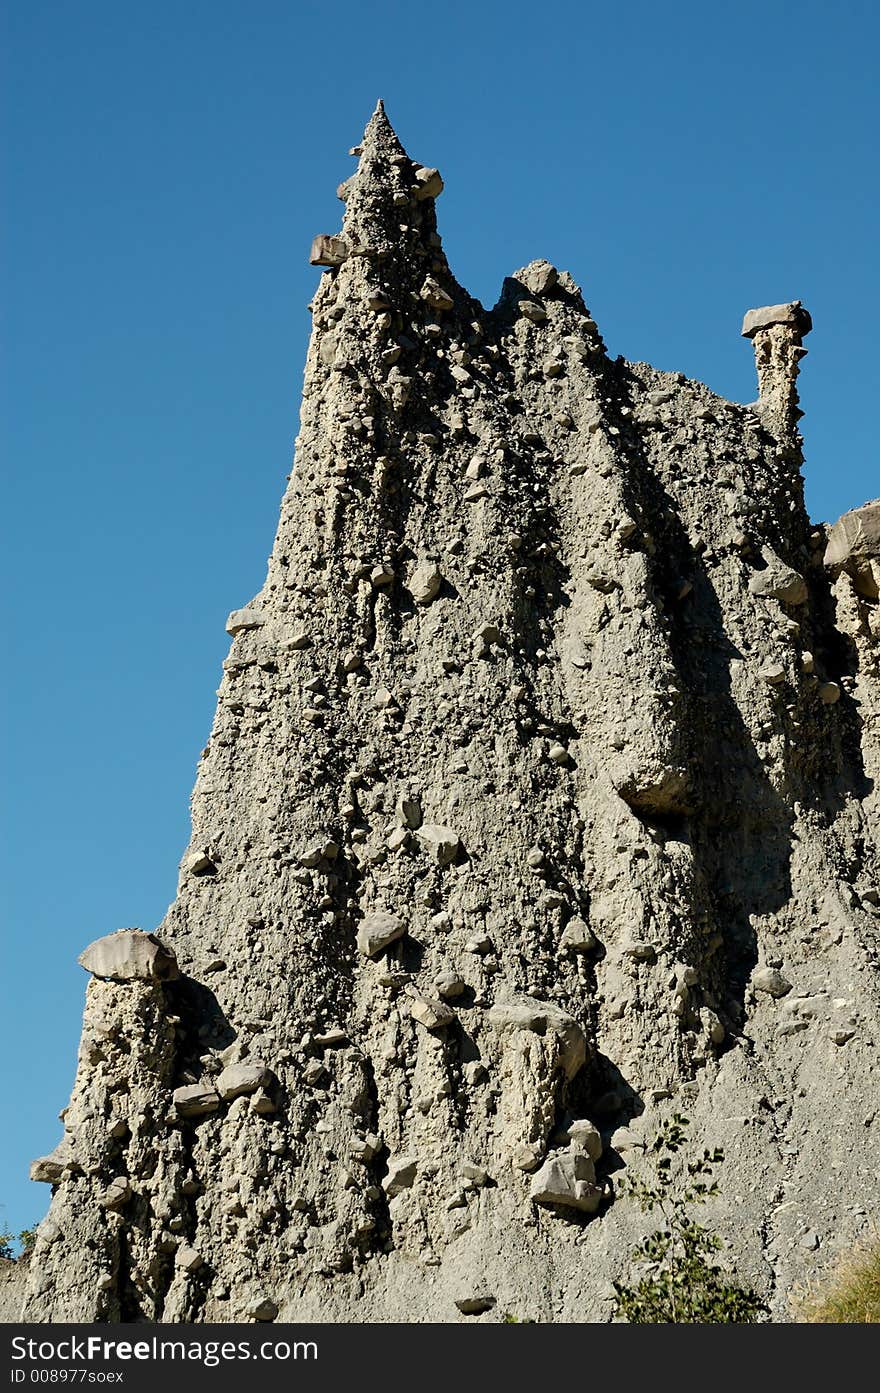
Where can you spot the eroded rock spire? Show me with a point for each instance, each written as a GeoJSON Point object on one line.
{"type": "Point", "coordinates": [539, 803]}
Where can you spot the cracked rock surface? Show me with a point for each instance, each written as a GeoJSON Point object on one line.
{"type": "Point", "coordinates": [540, 802]}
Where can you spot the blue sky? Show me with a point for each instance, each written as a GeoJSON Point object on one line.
{"type": "Point", "coordinates": [167, 167]}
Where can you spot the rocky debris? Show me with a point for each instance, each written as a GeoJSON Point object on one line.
{"type": "Point", "coordinates": [130, 955]}
{"type": "Point", "coordinates": [377, 930]}
{"type": "Point", "coordinates": [568, 1180]}
{"type": "Point", "coordinates": [547, 725]}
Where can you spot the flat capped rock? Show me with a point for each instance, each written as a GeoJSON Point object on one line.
{"type": "Point", "coordinates": [856, 533]}
{"type": "Point", "coordinates": [527, 1013]}
{"type": "Point", "coordinates": [792, 314]}
{"type": "Point", "coordinates": [130, 955]}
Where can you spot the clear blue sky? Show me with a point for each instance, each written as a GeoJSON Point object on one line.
{"type": "Point", "coordinates": [168, 165]}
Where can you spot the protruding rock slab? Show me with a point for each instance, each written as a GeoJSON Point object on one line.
{"type": "Point", "coordinates": [130, 955]}
{"type": "Point", "coordinates": [196, 1099]}
{"type": "Point", "coordinates": [328, 251]}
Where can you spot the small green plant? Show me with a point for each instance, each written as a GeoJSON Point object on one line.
{"type": "Point", "coordinates": [683, 1285]}
{"type": "Point", "coordinates": [15, 1245]}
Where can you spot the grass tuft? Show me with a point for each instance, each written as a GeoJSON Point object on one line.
{"type": "Point", "coordinates": [850, 1295]}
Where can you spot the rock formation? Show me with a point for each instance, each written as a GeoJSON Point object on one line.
{"type": "Point", "coordinates": [540, 801]}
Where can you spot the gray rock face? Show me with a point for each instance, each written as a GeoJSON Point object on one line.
{"type": "Point", "coordinates": [512, 683]}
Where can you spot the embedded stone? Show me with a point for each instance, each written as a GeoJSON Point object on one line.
{"type": "Point", "coordinates": [117, 1194]}
{"type": "Point", "coordinates": [449, 985]}
{"type": "Point", "coordinates": [778, 581]}
{"type": "Point", "coordinates": [434, 295]}
{"type": "Point", "coordinates": [401, 1174]}
{"type": "Point", "coordinates": [568, 1180]}
{"type": "Point", "coordinates": [541, 1017]}
{"type": "Point", "coordinates": [586, 1136]}
{"type": "Point", "coordinates": [424, 583]}
{"type": "Point", "coordinates": [377, 930]}
{"type": "Point", "coordinates": [578, 937]}
{"type": "Point", "coordinates": [199, 863]}
{"type": "Point", "coordinates": [188, 1259]}
{"type": "Point", "coordinates": [50, 1169]}
{"type": "Point", "coordinates": [195, 1099]}
{"type": "Point", "coordinates": [433, 1015]}
{"type": "Point", "coordinates": [246, 1077]}
{"type": "Point", "coordinates": [263, 1308]}
{"type": "Point", "coordinates": [539, 277]}
{"type": "Point", "coordinates": [770, 981]}
{"type": "Point", "coordinates": [441, 843]}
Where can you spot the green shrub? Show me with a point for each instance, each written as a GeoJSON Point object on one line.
{"type": "Point", "coordinates": [16, 1245]}
{"type": "Point", "coordinates": [682, 1285]}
